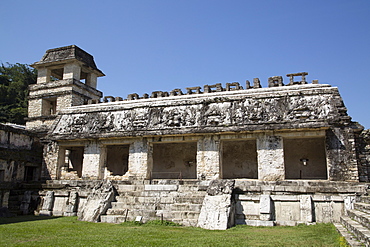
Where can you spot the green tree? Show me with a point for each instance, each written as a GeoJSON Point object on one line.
{"type": "Point", "coordinates": [14, 82]}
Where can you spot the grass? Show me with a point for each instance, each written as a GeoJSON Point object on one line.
{"type": "Point", "coordinates": [68, 231]}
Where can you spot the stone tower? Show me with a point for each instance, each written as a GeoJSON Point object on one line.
{"type": "Point", "coordinates": [67, 76]}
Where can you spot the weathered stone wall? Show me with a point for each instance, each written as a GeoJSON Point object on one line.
{"type": "Point", "coordinates": [227, 202]}
{"type": "Point", "coordinates": [293, 202]}
{"type": "Point", "coordinates": [341, 154]}
{"type": "Point", "coordinates": [363, 155]}
{"type": "Point", "coordinates": [19, 149]}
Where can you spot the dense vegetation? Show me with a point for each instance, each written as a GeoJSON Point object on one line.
{"type": "Point", "coordinates": [67, 231]}
{"type": "Point", "coordinates": [14, 82]}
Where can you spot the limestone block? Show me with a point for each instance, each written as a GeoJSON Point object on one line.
{"type": "Point", "coordinates": [215, 212]}
{"type": "Point", "coordinates": [247, 208]}
{"type": "Point", "coordinates": [287, 211]}
{"type": "Point", "coordinates": [218, 209]}
{"type": "Point", "coordinates": [161, 187]}
{"type": "Point", "coordinates": [72, 204]}
{"type": "Point", "coordinates": [265, 204]}
{"type": "Point", "coordinates": [265, 207]}
{"type": "Point", "coordinates": [259, 223]}
{"type": "Point", "coordinates": [220, 187]}
{"type": "Point", "coordinates": [97, 202]}
{"type": "Point", "coordinates": [60, 203]}
{"type": "Point", "coordinates": [306, 208]}
{"type": "Point", "coordinates": [48, 204]}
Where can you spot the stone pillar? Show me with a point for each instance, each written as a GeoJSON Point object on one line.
{"type": "Point", "coordinates": [270, 158]}
{"type": "Point", "coordinates": [140, 161]}
{"type": "Point", "coordinates": [208, 158]}
{"type": "Point", "coordinates": [266, 208]}
{"type": "Point", "coordinates": [61, 163]}
{"type": "Point", "coordinates": [43, 75]}
{"type": "Point", "coordinates": [91, 80]}
{"type": "Point", "coordinates": [306, 208]}
{"type": "Point", "coordinates": [341, 155]}
{"type": "Point", "coordinates": [91, 166]}
{"type": "Point", "coordinates": [51, 161]}
{"type": "Point", "coordinates": [72, 71]}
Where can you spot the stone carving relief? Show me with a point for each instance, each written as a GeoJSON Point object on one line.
{"type": "Point", "coordinates": [218, 113]}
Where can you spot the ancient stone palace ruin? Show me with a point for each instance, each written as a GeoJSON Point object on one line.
{"type": "Point", "coordinates": [211, 156]}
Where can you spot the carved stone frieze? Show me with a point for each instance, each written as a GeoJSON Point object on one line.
{"type": "Point", "coordinates": [218, 114]}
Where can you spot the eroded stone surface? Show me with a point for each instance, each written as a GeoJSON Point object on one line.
{"type": "Point", "coordinates": [97, 202]}
{"type": "Point", "coordinates": [218, 209]}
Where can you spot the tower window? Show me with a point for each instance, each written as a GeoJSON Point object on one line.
{"type": "Point", "coordinates": [49, 106]}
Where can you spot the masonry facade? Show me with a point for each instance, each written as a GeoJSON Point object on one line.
{"type": "Point", "coordinates": [260, 150]}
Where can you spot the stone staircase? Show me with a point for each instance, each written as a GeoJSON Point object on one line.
{"type": "Point", "coordinates": [176, 201]}
{"type": "Point", "coordinates": [355, 225]}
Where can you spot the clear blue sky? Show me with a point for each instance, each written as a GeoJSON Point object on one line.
{"type": "Point", "coordinates": [148, 45]}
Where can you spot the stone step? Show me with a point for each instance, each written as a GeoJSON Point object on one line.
{"type": "Point", "coordinates": [116, 219]}
{"type": "Point", "coordinates": [123, 205]}
{"type": "Point", "coordinates": [190, 199]}
{"type": "Point", "coordinates": [358, 230]}
{"type": "Point", "coordinates": [186, 207]}
{"type": "Point", "coordinates": [112, 211]}
{"type": "Point", "coordinates": [365, 199]}
{"type": "Point", "coordinates": [146, 214]}
{"type": "Point", "coordinates": [351, 240]}
{"type": "Point", "coordinates": [138, 199]}
{"type": "Point", "coordinates": [259, 223]}
{"type": "Point", "coordinates": [129, 188]}
{"type": "Point", "coordinates": [364, 207]}
{"type": "Point", "coordinates": [360, 217]}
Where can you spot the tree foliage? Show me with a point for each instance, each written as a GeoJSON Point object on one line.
{"type": "Point", "coordinates": [14, 82]}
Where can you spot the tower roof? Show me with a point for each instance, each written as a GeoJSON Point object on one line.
{"type": "Point", "coordinates": [67, 53]}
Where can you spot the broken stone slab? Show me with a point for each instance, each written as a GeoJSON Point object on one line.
{"type": "Point", "coordinates": [98, 202]}
{"type": "Point", "coordinates": [220, 187]}
{"type": "Point", "coordinates": [217, 212]}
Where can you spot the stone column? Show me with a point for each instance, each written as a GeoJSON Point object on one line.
{"type": "Point", "coordinates": [140, 161]}
{"type": "Point", "coordinates": [270, 158]}
{"type": "Point", "coordinates": [43, 75]}
{"type": "Point", "coordinates": [72, 71]}
{"type": "Point", "coordinates": [91, 80]}
{"type": "Point", "coordinates": [208, 158]}
{"type": "Point", "coordinates": [51, 162]}
{"type": "Point", "coordinates": [341, 155]}
{"type": "Point", "coordinates": [91, 166]}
